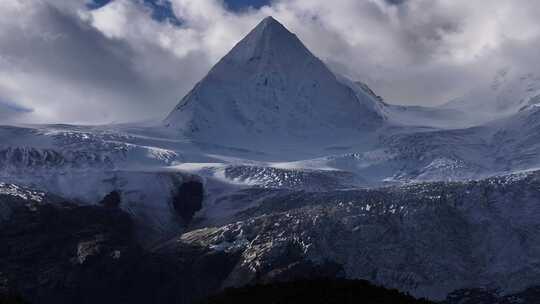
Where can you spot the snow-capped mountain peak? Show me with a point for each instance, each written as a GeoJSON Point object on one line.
{"type": "Point", "coordinates": [270, 86]}
{"type": "Point", "coordinates": [265, 44]}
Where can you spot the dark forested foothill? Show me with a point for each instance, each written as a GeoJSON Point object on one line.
{"type": "Point", "coordinates": [326, 291]}
{"type": "Point", "coordinates": [64, 253]}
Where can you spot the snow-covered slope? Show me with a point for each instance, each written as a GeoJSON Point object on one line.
{"type": "Point", "coordinates": [429, 117]}
{"type": "Point", "coordinates": [507, 94]}
{"type": "Point", "coordinates": [271, 89]}
{"type": "Point", "coordinates": [85, 164]}
{"type": "Point", "coordinates": [517, 140]}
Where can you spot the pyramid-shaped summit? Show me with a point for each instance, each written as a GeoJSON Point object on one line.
{"type": "Point", "coordinates": [269, 43]}
{"type": "Point", "coordinates": [270, 87]}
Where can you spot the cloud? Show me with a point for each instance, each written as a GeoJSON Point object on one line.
{"type": "Point", "coordinates": [416, 51]}
{"type": "Point", "coordinates": [11, 112]}
{"type": "Point", "coordinates": [55, 61]}
{"type": "Point", "coordinates": [125, 61]}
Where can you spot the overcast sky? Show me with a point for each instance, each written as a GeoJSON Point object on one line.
{"type": "Point", "coordinates": [86, 61]}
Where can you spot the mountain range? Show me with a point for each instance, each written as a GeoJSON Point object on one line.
{"type": "Point", "coordinates": [275, 168]}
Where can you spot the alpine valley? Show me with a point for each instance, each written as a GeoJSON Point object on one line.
{"type": "Point", "coordinates": [276, 169]}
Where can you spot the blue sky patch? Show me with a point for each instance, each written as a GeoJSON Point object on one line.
{"type": "Point", "coordinates": [238, 5]}
{"type": "Point", "coordinates": [161, 10]}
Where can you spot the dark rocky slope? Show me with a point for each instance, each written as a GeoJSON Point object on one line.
{"type": "Point", "coordinates": [65, 253]}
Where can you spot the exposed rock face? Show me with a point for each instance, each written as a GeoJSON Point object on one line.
{"type": "Point", "coordinates": [188, 199]}
{"type": "Point", "coordinates": [111, 200]}
{"type": "Point", "coordinates": [428, 239]}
